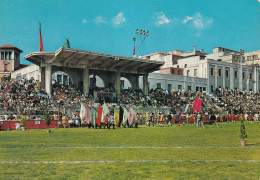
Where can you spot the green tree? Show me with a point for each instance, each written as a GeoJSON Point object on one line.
{"type": "Point", "coordinates": [23, 120]}
{"type": "Point", "coordinates": [47, 119]}
{"type": "Point", "coordinates": [243, 134]}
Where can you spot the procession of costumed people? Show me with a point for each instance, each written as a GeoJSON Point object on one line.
{"type": "Point", "coordinates": [26, 97]}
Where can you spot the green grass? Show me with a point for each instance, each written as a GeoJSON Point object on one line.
{"type": "Point", "coordinates": [210, 153]}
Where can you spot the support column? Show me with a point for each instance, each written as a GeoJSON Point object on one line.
{"type": "Point", "coordinates": [247, 80]}
{"type": "Point", "coordinates": [42, 72]}
{"type": "Point", "coordinates": [48, 79]}
{"type": "Point", "coordinates": [231, 75]}
{"type": "Point", "coordinates": [224, 76]}
{"type": "Point", "coordinates": [216, 78]}
{"type": "Point", "coordinates": [86, 80]}
{"type": "Point", "coordinates": [255, 80]}
{"type": "Point", "coordinates": [117, 83]}
{"type": "Point", "coordinates": [145, 84]}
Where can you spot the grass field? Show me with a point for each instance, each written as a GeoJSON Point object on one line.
{"type": "Point", "coordinates": [184, 152]}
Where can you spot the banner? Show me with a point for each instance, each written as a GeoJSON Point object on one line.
{"type": "Point", "coordinates": [197, 105]}
{"type": "Point", "coordinates": [131, 116]}
{"type": "Point", "coordinates": [116, 115]}
{"type": "Point", "coordinates": [99, 114]}
{"type": "Point", "coordinates": [187, 107]}
{"type": "Point", "coordinates": [88, 113]}
{"type": "Point", "coordinates": [93, 116]}
{"type": "Point", "coordinates": [216, 71]}
{"type": "Point", "coordinates": [125, 117]}
{"type": "Point", "coordinates": [82, 111]}
{"type": "Point", "coordinates": [104, 113]}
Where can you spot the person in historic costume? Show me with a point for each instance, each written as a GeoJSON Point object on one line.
{"type": "Point", "coordinates": [121, 114]}
{"type": "Point", "coordinates": [64, 121]}
{"type": "Point", "coordinates": [111, 120]}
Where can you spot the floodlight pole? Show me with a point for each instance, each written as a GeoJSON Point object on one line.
{"type": "Point", "coordinates": [134, 39]}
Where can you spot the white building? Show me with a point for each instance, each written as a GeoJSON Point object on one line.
{"type": "Point", "coordinates": [220, 69]}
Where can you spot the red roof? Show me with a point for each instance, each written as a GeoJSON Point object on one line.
{"type": "Point", "coordinates": [8, 46]}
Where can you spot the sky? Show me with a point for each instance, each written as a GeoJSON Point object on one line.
{"type": "Point", "coordinates": [109, 25]}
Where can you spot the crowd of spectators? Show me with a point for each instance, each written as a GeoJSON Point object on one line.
{"type": "Point", "coordinates": [26, 97]}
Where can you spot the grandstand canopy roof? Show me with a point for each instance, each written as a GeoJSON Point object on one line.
{"type": "Point", "coordinates": [75, 58]}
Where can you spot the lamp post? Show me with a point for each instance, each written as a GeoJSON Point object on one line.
{"type": "Point", "coordinates": [134, 39]}
{"type": "Point", "coordinates": [142, 33]}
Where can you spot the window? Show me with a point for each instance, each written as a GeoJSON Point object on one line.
{"type": "Point", "coordinates": [169, 87]}
{"type": "Point", "coordinates": [227, 74]}
{"type": "Point", "coordinates": [204, 88]}
{"type": "Point", "coordinates": [65, 79]}
{"type": "Point", "coordinates": [180, 87]}
{"type": "Point", "coordinates": [179, 72]}
{"type": "Point", "coordinates": [59, 78]}
{"type": "Point", "coordinates": [2, 55]}
{"type": "Point", "coordinates": [211, 71]}
{"type": "Point", "coordinates": [211, 88]}
{"type": "Point", "coordinates": [173, 71]}
{"type": "Point", "coordinates": [158, 85]}
{"type": "Point", "coordinates": [236, 74]}
{"type": "Point", "coordinates": [248, 57]}
{"type": "Point", "coordinates": [219, 72]}
{"type": "Point", "coordinates": [188, 72]}
{"type": "Point", "coordinates": [195, 72]}
{"type": "Point", "coordinates": [255, 56]}
{"type": "Point", "coordinates": [243, 75]}
{"type": "Point", "coordinates": [250, 75]}
{"type": "Point", "coordinates": [189, 88]}
{"type": "Point", "coordinates": [122, 84]}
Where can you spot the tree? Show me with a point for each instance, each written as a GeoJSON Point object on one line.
{"type": "Point", "coordinates": [23, 120]}
{"type": "Point", "coordinates": [243, 134]}
{"type": "Point", "coordinates": [47, 119]}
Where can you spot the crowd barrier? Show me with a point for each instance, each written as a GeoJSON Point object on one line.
{"type": "Point", "coordinates": [38, 124]}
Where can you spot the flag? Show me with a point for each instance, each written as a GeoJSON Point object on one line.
{"type": "Point", "coordinates": [88, 114]}
{"type": "Point", "coordinates": [99, 115]}
{"type": "Point", "coordinates": [82, 111]}
{"type": "Point", "coordinates": [121, 114]}
{"type": "Point", "coordinates": [40, 38]}
{"type": "Point", "coordinates": [216, 71]}
{"type": "Point", "coordinates": [116, 115]}
{"type": "Point", "coordinates": [131, 116]}
{"type": "Point", "coordinates": [197, 105]}
{"type": "Point", "coordinates": [104, 112]}
{"type": "Point", "coordinates": [186, 108]}
{"type": "Point", "coordinates": [125, 117]}
{"type": "Point", "coordinates": [134, 52]}
{"type": "Point", "coordinates": [93, 116]}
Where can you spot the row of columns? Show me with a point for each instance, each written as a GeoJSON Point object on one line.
{"type": "Point", "coordinates": [46, 80]}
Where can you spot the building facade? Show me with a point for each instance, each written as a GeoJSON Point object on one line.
{"type": "Point", "coordinates": [9, 59]}
{"type": "Point", "coordinates": [224, 68]}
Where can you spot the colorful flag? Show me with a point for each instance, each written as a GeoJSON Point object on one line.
{"type": "Point", "coordinates": [104, 112]}
{"type": "Point", "coordinates": [216, 71]}
{"type": "Point", "coordinates": [197, 105]}
{"type": "Point", "coordinates": [40, 38]}
{"type": "Point", "coordinates": [93, 116]}
{"type": "Point", "coordinates": [82, 111]}
{"type": "Point", "coordinates": [116, 115]}
{"type": "Point", "coordinates": [187, 107]}
{"type": "Point", "coordinates": [88, 114]}
{"type": "Point", "coordinates": [125, 117]}
{"type": "Point", "coordinates": [121, 115]}
{"type": "Point", "coordinates": [99, 115]}
{"type": "Point", "coordinates": [134, 52]}
{"type": "Point", "coordinates": [131, 116]}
